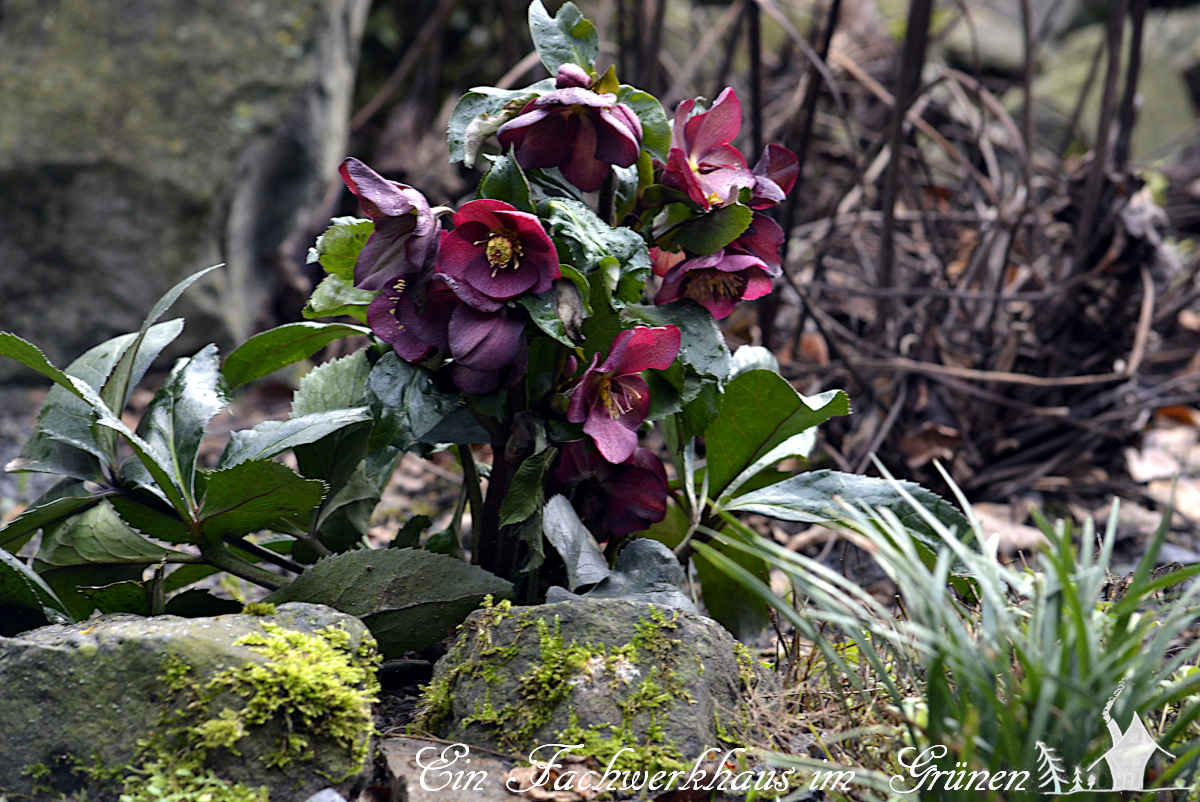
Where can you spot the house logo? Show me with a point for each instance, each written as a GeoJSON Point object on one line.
{"type": "Point", "coordinates": [1125, 761]}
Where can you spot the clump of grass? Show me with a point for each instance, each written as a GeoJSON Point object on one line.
{"type": "Point", "coordinates": [987, 659]}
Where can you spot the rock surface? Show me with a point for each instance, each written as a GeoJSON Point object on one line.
{"type": "Point", "coordinates": [79, 697]}
{"type": "Point", "coordinates": [604, 673]}
{"type": "Point", "coordinates": [155, 138]}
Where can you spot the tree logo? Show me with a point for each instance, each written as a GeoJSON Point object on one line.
{"type": "Point", "coordinates": [1126, 759]}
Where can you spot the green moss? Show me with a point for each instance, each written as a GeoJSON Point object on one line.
{"type": "Point", "coordinates": [169, 781]}
{"type": "Point", "coordinates": [259, 608]}
{"type": "Point", "coordinates": [645, 666]}
{"type": "Point", "coordinates": [309, 685]}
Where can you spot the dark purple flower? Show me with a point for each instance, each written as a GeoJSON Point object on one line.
{"type": "Point", "coordinates": [774, 176]}
{"type": "Point", "coordinates": [576, 130]}
{"type": "Point", "coordinates": [406, 232]}
{"type": "Point", "coordinates": [717, 281]}
{"type": "Point", "coordinates": [701, 161]}
{"type": "Point", "coordinates": [612, 500]}
{"type": "Point", "coordinates": [612, 400]}
{"type": "Point", "coordinates": [484, 346]}
{"type": "Point", "coordinates": [497, 252]}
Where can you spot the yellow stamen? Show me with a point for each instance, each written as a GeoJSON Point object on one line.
{"type": "Point", "coordinates": [502, 251]}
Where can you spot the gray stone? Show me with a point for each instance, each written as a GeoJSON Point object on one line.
{"type": "Point", "coordinates": [146, 139]}
{"type": "Point", "coordinates": [79, 697]}
{"type": "Point", "coordinates": [603, 673]}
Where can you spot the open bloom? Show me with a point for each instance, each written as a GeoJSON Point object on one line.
{"type": "Point", "coordinates": [717, 281]}
{"type": "Point", "coordinates": [613, 500]}
{"type": "Point", "coordinates": [612, 400]}
{"type": "Point", "coordinates": [420, 317]}
{"type": "Point", "coordinates": [701, 161]}
{"type": "Point", "coordinates": [406, 232]}
{"type": "Point", "coordinates": [579, 131]}
{"type": "Point", "coordinates": [498, 253]}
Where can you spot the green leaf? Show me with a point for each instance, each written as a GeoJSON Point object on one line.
{"type": "Point", "coordinates": [70, 582]}
{"type": "Point", "coordinates": [174, 422]}
{"type": "Point", "coordinates": [589, 240]}
{"type": "Point", "coordinates": [337, 249]}
{"type": "Point", "coordinates": [149, 518]}
{"type": "Point", "coordinates": [480, 113]}
{"type": "Point", "coordinates": [65, 498]}
{"type": "Point", "coordinates": [566, 38]}
{"type": "Point", "coordinates": [571, 539]}
{"type": "Point", "coordinates": [543, 311]}
{"type": "Point", "coordinates": [645, 571]}
{"type": "Point", "coordinates": [31, 356]}
{"type": "Point", "coordinates": [760, 410]}
{"type": "Point", "coordinates": [256, 495]}
{"type": "Point", "coordinates": [198, 603]}
{"type": "Point", "coordinates": [116, 390]}
{"type": "Point", "coordinates": [752, 357]}
{"type": "Point", "coordinates": [525, 494]}
{"type": "Point", "coordinates": [702, 346]}
{"type": "Point", "coordinates": [272, 437]}
{"type": "Point", "coordinates": [742, 613]}
{"type": "Point", "coordinates": [812, 497]}
{"type": "Point", "coordinates": [63, 441]}
{"type": "Point", "coordinates": [129, 596]}
{"type": "Point", "coordinates": [281, 346]}
{"type": "Point", "coordinates": [708, 233]}
{"type": "Point", "coordinates": [506, 181]}
{"type": "Point", "coordinates": [656, 132]}
{"type": "Point", "coordinates": [334, 385]}
{"type": "Point", "coordinates": [409, 598]}
{"type": "Point", "coordinates": [26, 601]}
{"type": "Point", "coordinates": [410, 409]}
{"type": "Point", "coordinates": [97, 536]}
{"type": "Point", "coordinates": [334, 297]}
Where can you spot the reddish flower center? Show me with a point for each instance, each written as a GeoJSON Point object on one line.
{"type": "Point", "coordinates": [715, 284]}
{"type": "Point", "coordinates": [616, 397]}
{"type": "Point", "coordinates": [502, 252]}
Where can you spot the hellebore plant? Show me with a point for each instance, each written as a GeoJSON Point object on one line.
{"type": "Point", "coordinates": [560, 325]}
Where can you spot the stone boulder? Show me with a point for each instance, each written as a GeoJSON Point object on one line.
{"type": "Point", "coordinates": [280, 701]}
{"type": "Point", "coordinates": [147, 139]}
{"type": "Point", "coordinates": [661, 684]}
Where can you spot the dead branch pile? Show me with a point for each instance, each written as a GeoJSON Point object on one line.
{"type": "Point", "coordinates": [986, 302]}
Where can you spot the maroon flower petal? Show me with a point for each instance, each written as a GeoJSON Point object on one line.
{"type": "Point", "coordinates": [481, 211]}
{"type": "Point", "coordinates": [541, 138]}
{"type": "Point", "coordinates": [615, 142]}
{"type": "Point", "coordinates": [763, 238]}
{"type": "Point", "coordinates": [682, 111]}
{"type": "Point", "coordinates": [715, 127]}
{"type": "Point", "coordinates": [643, 348]}
{"type": "Point", "coordinates": [615, 441]}
{"type": "Point", "coordinates": [581, 167]}
{"type": "Point", "coordinates": [469, 295]}
{"type": "Point", "coordinates": [780, 166]}
{"type": "Point", "coordinates": [378, 196]}
{"type": "Point", "coordinates": [679, 175]}
{"type": "Point", "coordinates": [758, 285]}
{"type": "Point", "coordinates": [571, 75]}
{"type": "Point", "coordinates": [483, 340]}
{"type": "Point", "coordinates": [476, 382]}
{"type": "Point", "coordinates": [577, 411]}
{"type": "Point", "coordinates": [458, 255]}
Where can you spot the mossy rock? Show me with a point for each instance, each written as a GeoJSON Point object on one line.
{"type": "Point", "coordinates": [246, 707]}
{"type": "Point", "coordinates": [664, 684]}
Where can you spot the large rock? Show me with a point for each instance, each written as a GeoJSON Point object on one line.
{"type": "Point", "coordinates": [145, 139]}
{"type": "Point", "coordinates": [280, 700]}
{"type": "Point", "coordinates": [609, 674]}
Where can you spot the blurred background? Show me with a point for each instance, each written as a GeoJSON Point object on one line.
{"type": "Point", "coordinates": [992, 245]}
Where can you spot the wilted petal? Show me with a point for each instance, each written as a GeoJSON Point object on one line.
{"type": "Point", "coordinates": [779, 166]}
